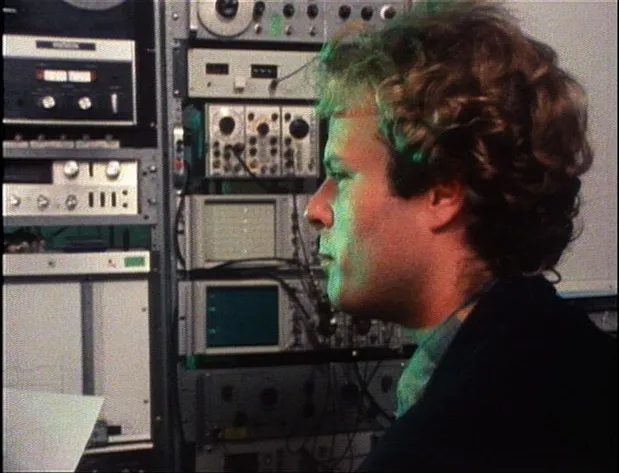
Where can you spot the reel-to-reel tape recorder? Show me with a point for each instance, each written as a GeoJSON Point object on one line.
{"type": "Point", "coordinates": [80, 68]}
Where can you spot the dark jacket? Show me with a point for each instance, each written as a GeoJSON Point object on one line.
{"type": "Point", "coordinates": [528, 384]}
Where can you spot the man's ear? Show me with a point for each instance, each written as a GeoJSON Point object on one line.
{"type": "Point", "coordinates": [444, 202]}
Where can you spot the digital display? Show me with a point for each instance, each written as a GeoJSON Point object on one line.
{"type": "Point", "coordinates": [238, 316]}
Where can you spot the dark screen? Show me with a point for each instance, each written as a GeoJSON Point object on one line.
{"type": "Point", "coordinates": [242, 316]}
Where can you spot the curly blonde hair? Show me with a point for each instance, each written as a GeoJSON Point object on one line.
{"type": "Point", "coordinates": [463, 94]}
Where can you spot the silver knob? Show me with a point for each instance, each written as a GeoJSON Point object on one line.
{"type": "Point", "coordinates": [48, 102]}
{"type": "Point", "coordinates": [71, 169]}
{"type": "Point", "coordinates": [14, 201]}
{"type": "Point", "coordinates": [84, 103]}
{"type": "Point", "coordinates": [42, 201]}
{"type": "Point", "coordinates": [71, 201]}
{"type": "Point", "coordinates": [112, 171]}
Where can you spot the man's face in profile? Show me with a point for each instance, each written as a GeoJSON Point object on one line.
{"type": "Point", "coordinates": [373, 239]}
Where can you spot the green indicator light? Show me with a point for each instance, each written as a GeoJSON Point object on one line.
{"type": "Point", "coordinates": [135, 261]}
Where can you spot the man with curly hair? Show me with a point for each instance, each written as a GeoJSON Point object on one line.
{"type": "Point", "coordinates": [453, 159]}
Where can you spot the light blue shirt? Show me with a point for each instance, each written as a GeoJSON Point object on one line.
{"type": "Point", "coordinates": [431, 345]}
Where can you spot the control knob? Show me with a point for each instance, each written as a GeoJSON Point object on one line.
{"type": "Point", "coordinates": [387, 12]}
{"type": "Point", "coordinates": [227, 8]}
{"type": "Point", "coordinates": [344, 12]}
{"type": "Point", "coordinates": [112, 171]}
{"type": "Point", "coordinates": [263, 129]}
{"type": "Point", "coordinates": [14, 201]}
{"type": "Point", "coordinates": [366, 13]}
{"type": "Point", "coordinates": [42, 201]}
{"type": "Point", "coordinates": [312, 11]}
{"type": "Point", "coordinates": [71, 201]}
{"type": "Point", "coordinates": [48, 102]}
{"type": "Point", "coordinates": [84, 103]}
{"type": "Point", "coordinates": [299, 128]}
{"type": "Point", "coordinates": [288, 10]}
{"type": "Point", "coordinates": [71, 169]}
{"type": "Point", "coordinates": [226, 125]}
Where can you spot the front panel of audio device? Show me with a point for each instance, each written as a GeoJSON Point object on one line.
{"type": "Point", "coordinates": [268, 141]}
{"type": "Point", "coordinates": [285, 21]}
{"type": "Point", "coordinates": [241, 73]}
{"type": "Point", "coordinates": [373, 13]}
{"type": "Point", "coordinates": [299, 21]}
{"type": "Point", "coordinates": [343, 452]}
{"type": "Point", "coordinates": [226, 228]}
{"type": "Point", "coordinates": [263, 316]}
{"type": "Point", "coordinates": [287, 401]}
{"type": "Point", "coordinates": [70, 187]}
{"type": "Point", "coordinates": [83, 69]}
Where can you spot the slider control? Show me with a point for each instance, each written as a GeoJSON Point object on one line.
{"type": "Point", "coordinates": [114, 103]}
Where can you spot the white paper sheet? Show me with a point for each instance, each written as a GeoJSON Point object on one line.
{"type": "Point", "coordinates": [46, 431]}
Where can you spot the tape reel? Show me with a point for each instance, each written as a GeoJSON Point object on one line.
{"type": "Point", "coordinates": [226, 18]}
{"type": "Point", "coordinates": [95, 5]}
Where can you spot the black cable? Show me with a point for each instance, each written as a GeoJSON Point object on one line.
{"type": "Point", "coordinates": [370, 397]}
{"type": "Point", "coordinates": [180, 209]}
{"type": "Point", "coordinates": [237, 151]}
{"type": "Point", "coordinates": [275, 82]}
{"type": "Point", "coordinates": [229, 263]}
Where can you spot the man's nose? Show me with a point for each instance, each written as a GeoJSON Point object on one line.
{"type": "Point", "coordinates": [318, 211]}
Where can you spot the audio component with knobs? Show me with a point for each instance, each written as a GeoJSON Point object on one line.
{"type": "Point", "coordinates": [60, 188]}
{"type": "Point", "coordinates": [291, 455]}
{"type": "Point", "coordinates": [69, 81]}
{"type": "Point", "coordinates": [234, 227]}
{"type": "Point", "coordinates": [373, 13]}
{"type": "Point", "coordinates": [231, 73]}
{"type": "Point", "coordinates": [85, 69]}
{"type": "Point", "coordinates": [269, 141]}
{"type": "Point", "coordinates": [286, 401]}
{"type": "Point", "coordinates": [225, 317]}
{"type": "Point", "coordinates": [294, 21]}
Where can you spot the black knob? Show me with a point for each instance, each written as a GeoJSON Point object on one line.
{"type": "Point", "coordinates": [273, 141]}
{"type": "Point", "coordinates": [288, 153]}
{"type": "Point", "coordinates": [288, 10]}
{"type": "Point", "coordinates": [252, 152]}
{"type": "Point", "coordinates": [385, 383]}
{"type": "Point", "coordinates": [269, 397]}
{"type": "Point", "coordinates": [227, 392]}
{"type": "Point", "coordinates": [259, 8]}
{"type": "Point", "coordinates": [366, 13]}
{"type": "Point", "coordinates": [388, 13]}
{"type": "Point", "coordinates": [312, 11]}
{"type": "Point", "coordinates": [263, 129]}
{"type": "Point", "coordinates": [344, 12]}
{"type": "Point", "coordinates": [226, 125]}
{"type": "Point", "coordinates": [299, 128]}
{"type": "Point", "coordinates": [252, 140]}
{"type": "Point", "coordinates": [227, 8]}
